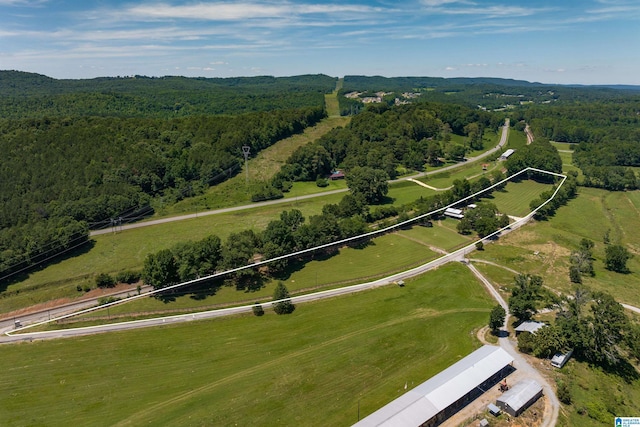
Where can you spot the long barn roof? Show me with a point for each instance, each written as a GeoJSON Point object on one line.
{"type": "Point", "coordinates": [432, 396]}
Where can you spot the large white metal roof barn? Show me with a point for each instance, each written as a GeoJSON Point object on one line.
{"type": "Point", "coordinates": [427, 403]}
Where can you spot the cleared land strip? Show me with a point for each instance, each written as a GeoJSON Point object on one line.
{"type": "Point", "coordinates": [503, 141]}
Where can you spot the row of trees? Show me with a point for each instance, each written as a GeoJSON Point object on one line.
{"type": "Point", "coordinates": [568, 191]}
{"type": "Point", "coordinates": [291, 233]}
{"type": "Point", "coordinates": [352, 216]}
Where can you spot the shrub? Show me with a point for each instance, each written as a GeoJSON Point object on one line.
{"type": "Point", "coordinates": [128, 277]}
{"type": "Point", "coordinates": [525, 342]}
{"type": "Point", "coordinates": [258, 310]}
{"type": "Point", "coordinates": [564, 393]}
{"type": "Point", "coordinates": [281, 294]}
{"type": "Point", "coordinates": [322, 182]}
{"type": "Point", "coordinates": [479, 245]}
{"type": "Point", "coordinates": [104, 280]}
{"type": "Point", "coordinates": [107, 300]}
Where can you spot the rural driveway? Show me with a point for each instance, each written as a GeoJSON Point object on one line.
{"type": "Point", "coordinates": [550, 414]}
{"type": "Point", "coordinates": [503, 141]}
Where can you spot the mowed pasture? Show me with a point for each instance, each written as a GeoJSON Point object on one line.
{"type": "Point", "coordinates": [126, 250]}
{"type": "Point", "coordinates": [516, 197]}
{"type": "Point", "coordinates": [316, 366]}
{"type": "Point", "coordinates": [381, 257]}
{"type": "Point", "coordinates": [544, 247]}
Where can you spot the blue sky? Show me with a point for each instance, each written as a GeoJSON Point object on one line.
{"type": "Point", "coordinates": [561, 41]}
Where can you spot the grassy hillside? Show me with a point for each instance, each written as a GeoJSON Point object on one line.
{"type": "Point", "coordinates": [314, 367]}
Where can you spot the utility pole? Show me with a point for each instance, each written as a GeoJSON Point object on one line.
{"type": "Point", "coordinates": [245, 150]}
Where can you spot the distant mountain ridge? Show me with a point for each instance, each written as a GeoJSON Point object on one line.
{"type": "Point", "coordinates": [12, 79]}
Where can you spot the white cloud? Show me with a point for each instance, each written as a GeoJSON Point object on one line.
{"type": "Point", "coordinates": [435, 3]}
{"type": "Point", "coordinates": [22, 2]}
{"type": "Point", "coordinates": [236, 11]}
{"type": "Point", "coordinates": [511, 11]}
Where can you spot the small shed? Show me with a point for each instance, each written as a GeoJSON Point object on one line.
{"type": "Point", "coordinates": [507, 154]}
{"type": "Point", "coordinates": [529, 326]}
{"type": "Point", "coordinates": [560, 359]}
{"type": "Point", "coordinates": [519, 397]}
{"type": "Point", "coordinates": [493, 409]}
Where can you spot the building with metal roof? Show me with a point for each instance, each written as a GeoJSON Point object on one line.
{"type": "Point", "coordinates": [454, 213]}
{"type": "Point", "coordinates": [438, 398]}
{"type": "Point", "coordinates": [529, 326]}
{"type": "Point", "coordinates": [507, 154]}
{"type": "Point", "coordinates": [560, 359]}
{"type": "Point", "coordinates": [519, 397]}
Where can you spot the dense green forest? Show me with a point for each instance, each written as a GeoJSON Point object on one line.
{"type": "Point", "coordinates": [384, 138]}
{"type": "Point", "coordinates": [94, 169]}
{"type": "Point", "coordinates": [80, 154]}
{"type": "Point", "coordinates": [605, 135]}
{"type": "Point", "coordinates": [27, 95]}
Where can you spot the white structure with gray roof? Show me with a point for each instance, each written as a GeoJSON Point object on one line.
{"type": "Point", "coordinates": [529, 326]}
{"type": "Point", "coordinates": [519, 397]}
{"type": "Point", "coordinates": [438, 398]}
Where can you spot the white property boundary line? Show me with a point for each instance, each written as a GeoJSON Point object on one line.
{"type": "Point", "coordinates": [316, 295]}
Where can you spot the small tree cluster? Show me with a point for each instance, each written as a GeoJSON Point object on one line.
{"type": "Point", "coordinates": [581, 262]}
{"type": "Point", "coordinates": [496, 318]}
{"type": "Point", "coordinates": [484, 219]}
{"type": "Point", "coordinates": [283, 304]}
{"type": "Point", "coordinates": [616, 257]}
{"type": "Point", "coordinates": [524, 296]}
{"type": "Point", "coordinates": [104, 280]}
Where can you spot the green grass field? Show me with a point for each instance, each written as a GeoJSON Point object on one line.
{"type": "Point", "coordinates": [407, 192]}
{"type": "Point", "coordinates": [516, 197]}
{"type": "Point", "coordinates": [313, 367]}
{"type": "Point", "coordinates": [383, 256]}
{"type": "Point", "coordinates": [588, 216]}
{"type": "Point", "coordinates": [127, 250]}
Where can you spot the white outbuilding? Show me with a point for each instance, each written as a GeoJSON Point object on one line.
{"type": "Point", "coordinates": [454, 213]}
{"type": "Point", "coordinates": [507, 154]}
{"type": "Point", "coordinates": [519, 397]}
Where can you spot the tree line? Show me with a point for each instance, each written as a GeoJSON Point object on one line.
{"type": "Point", "coordinates": [353, 216]}
{"type": "Point", "coordinates": [604, 134]}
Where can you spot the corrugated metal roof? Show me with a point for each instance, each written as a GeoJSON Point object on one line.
{"type": "Point", "coordinates": [529, 326]}
{"type": "Point", "coordinates": [426, 400]}
{"type": "Point", "coordinates": [520, 394]}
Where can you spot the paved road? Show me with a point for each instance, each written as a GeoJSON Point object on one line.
{"type": "Point", "coordinates": [7, 324]}
{"type": "Point", "coordinates": [501, 144]}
